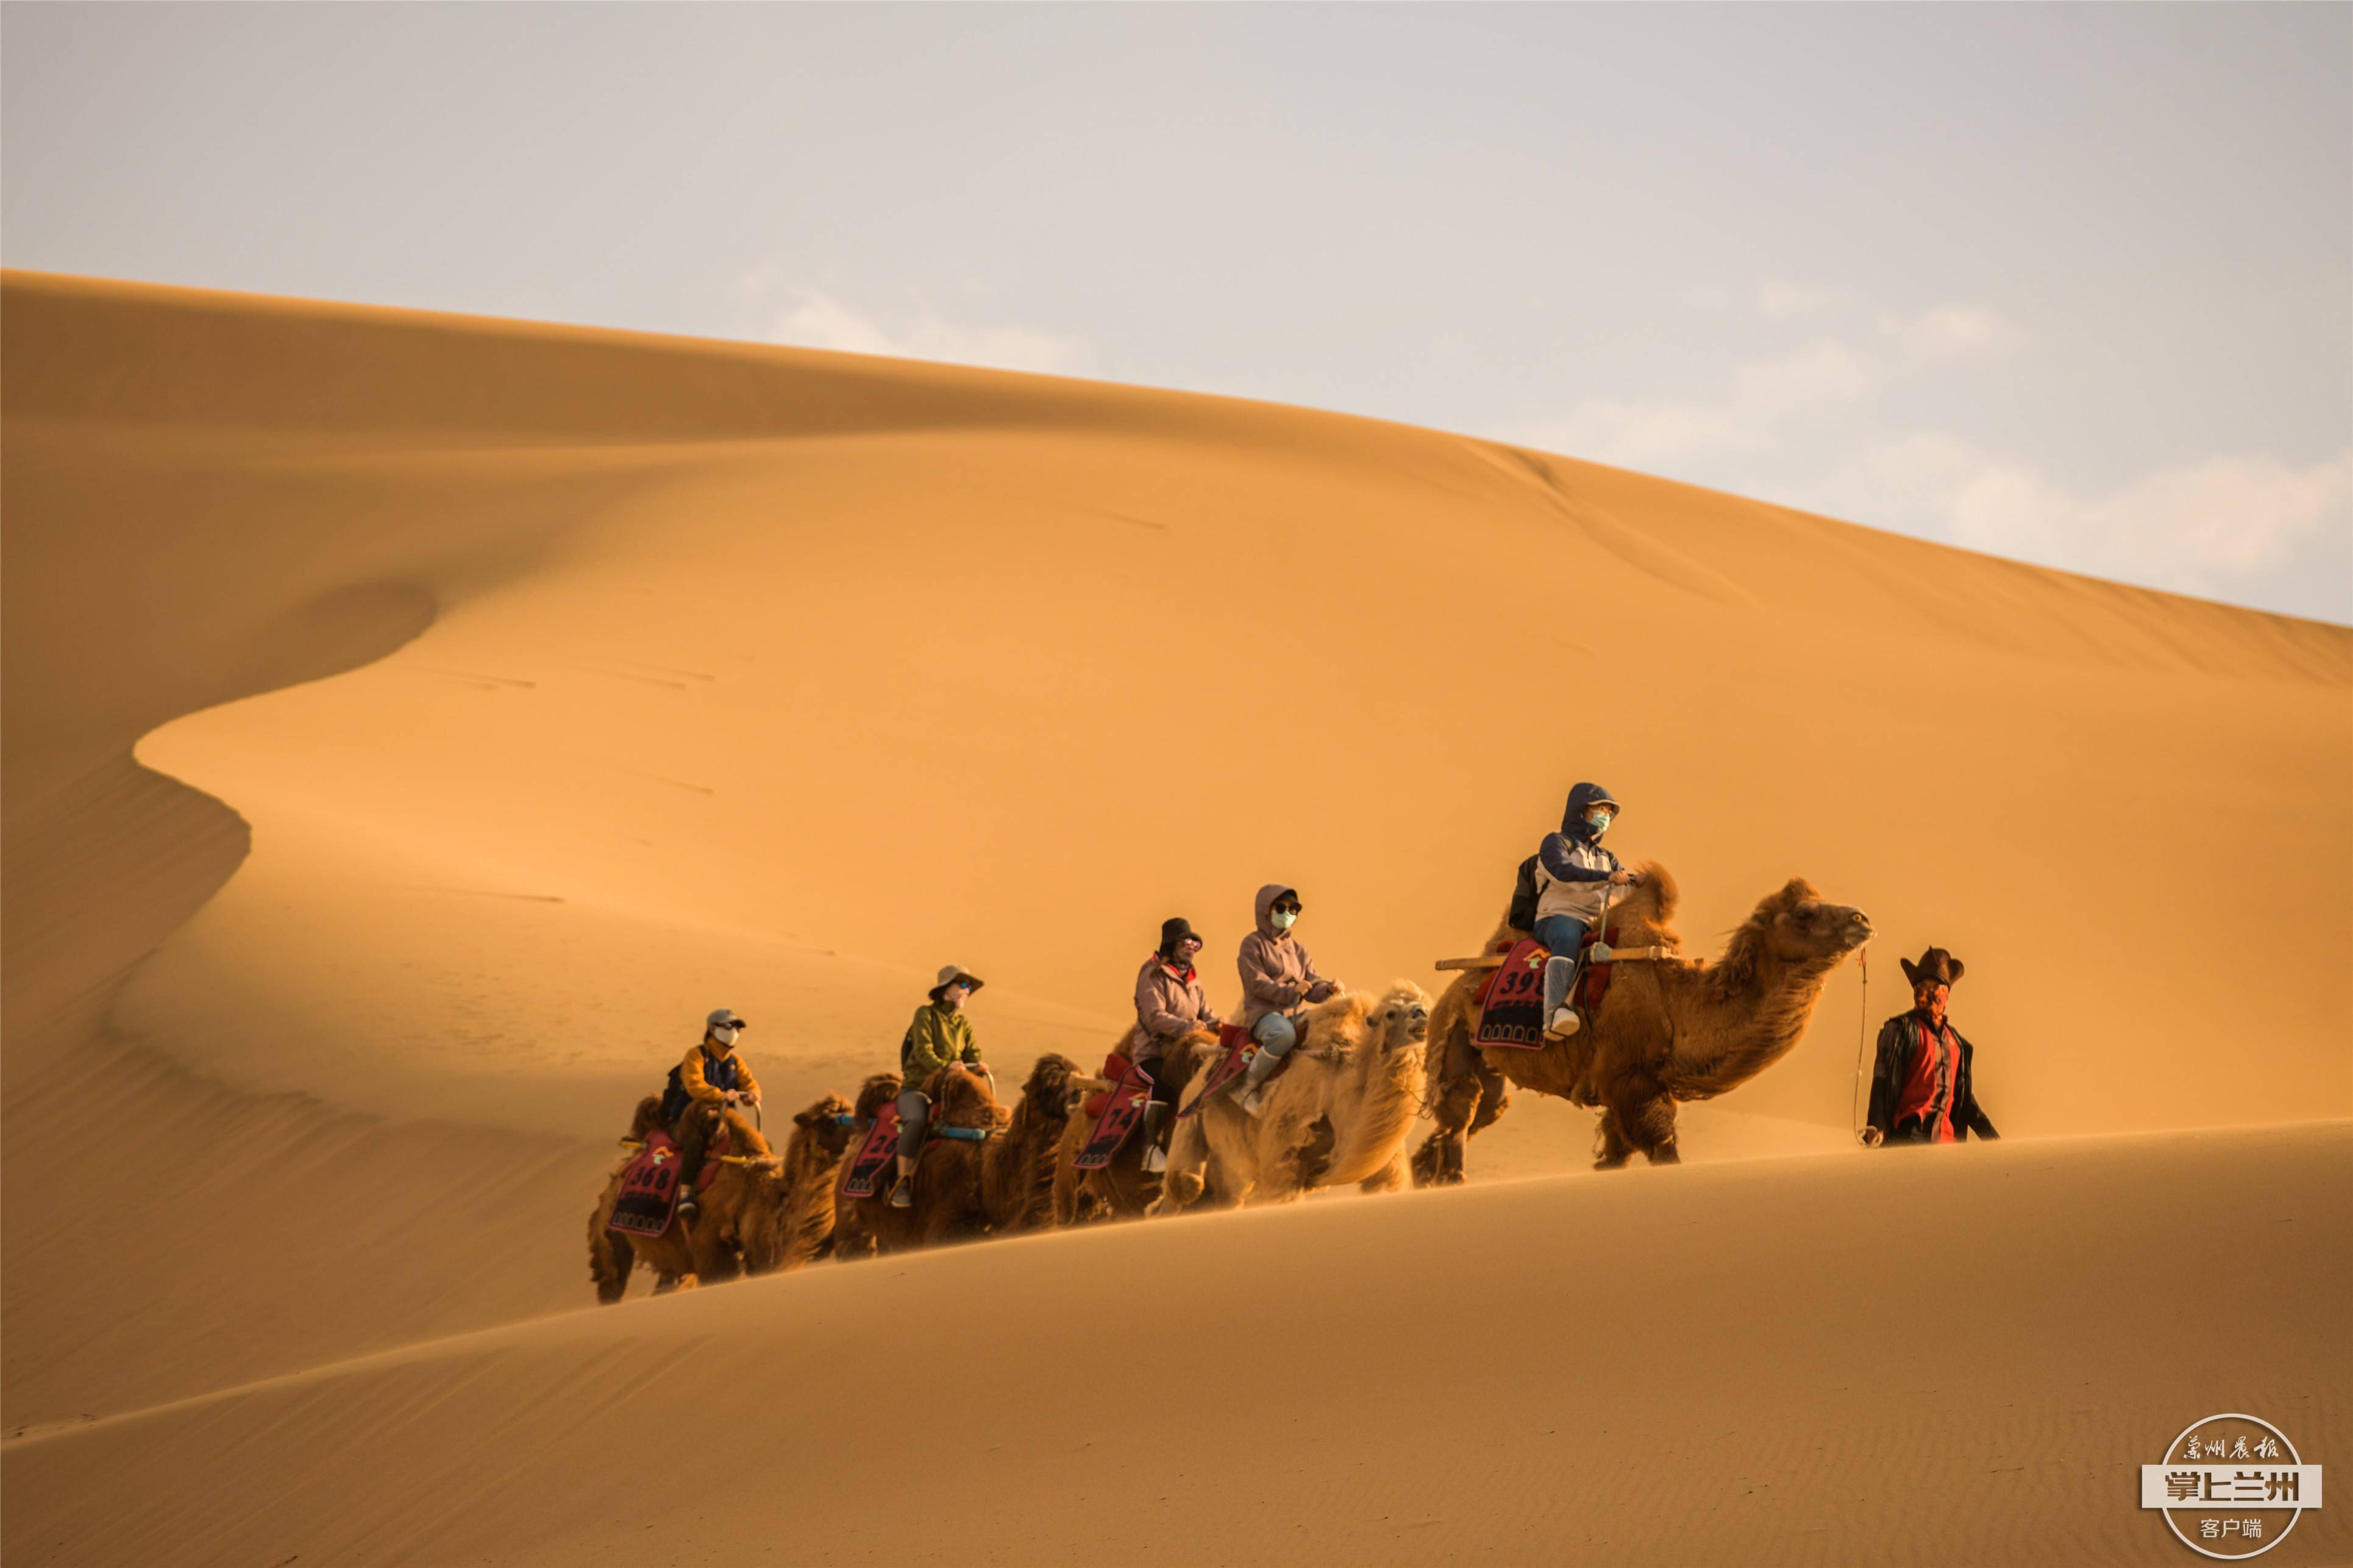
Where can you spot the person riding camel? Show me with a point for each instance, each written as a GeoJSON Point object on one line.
{"type": "Point", "coordinates": [1572, 873]}
{"type": "Point", "coordinates": [1278, 978]}
{"type": "Point", "coordinates": [941, 1034]}
{"type": "Point", "coordinates": [1920, 1091]}
{"type": "Point", "coordinates": [1169, 1004]}
{"type": "Point", "coordinates": [712, 1074]}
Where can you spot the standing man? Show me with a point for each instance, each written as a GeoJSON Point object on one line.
{"type": "Point", "coordinates": [711, 1076]}
{"type": "Point", "coordinates": [1169, 1004]}
{"type": "Point", "coordinates": [1279, 978]}
{"type": "Point", "coordinates": [1920, 1089]}
{"type": "Point", "coordinates": [940, 1035]}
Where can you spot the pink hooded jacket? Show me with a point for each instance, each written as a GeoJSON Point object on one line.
{"type": "Point", "coordinates": [1277, 973]}
{"type": "Point", "coordinates": [1169, 1004]}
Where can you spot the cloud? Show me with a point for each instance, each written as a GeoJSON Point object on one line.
{"type": "Point", "coordinates": [2215, 526]}
{"type": "Point", "coordinates": [2210, 524]}
{"type": "Point", "coordinates": [1951, 332]}
{"type": "Point", "coordinates": [1751, 412]}
{"type": "Point", "coordinates": [781, 311]}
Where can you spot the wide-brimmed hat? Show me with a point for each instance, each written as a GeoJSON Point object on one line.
{"type": "Point", "coordinates": [1935, 965]}
{"type": "Point", "coordinates": [1177, 928]}
{"type": "Point", "coordinates": [952, 973]}
{"type": "Point", "coordinates": [723, 1019]}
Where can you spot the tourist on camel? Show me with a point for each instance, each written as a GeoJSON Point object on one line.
{"type": "Point", "coordinates": [1920, 1089]}
{"type": "Point", "coordinates": [940, 1035]}
{"type": "Point", "coordinates": [1573, 873]}
{"type": "Point", "coordinates": [712, 1074]}
{"type": "Point", "coordinates": [1169, 1004]}
{"type": "Point", "coordinates": [1279, 978]}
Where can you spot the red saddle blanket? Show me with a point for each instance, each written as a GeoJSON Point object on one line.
{"type": "Point", "coordinates": [1122, 1109]}
{"type": "Point", "coordinates": [1511, 999]}
{"type": "Point", "coordinates": [649, 1185]}
{"type": "Point", "coordinates": [874, 1155]}
{"type": "Point", "coordinates": [1239, 1051]}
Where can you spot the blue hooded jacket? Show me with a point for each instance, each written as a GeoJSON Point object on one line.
{"type": "Point", "coordinates": [1554, 853]}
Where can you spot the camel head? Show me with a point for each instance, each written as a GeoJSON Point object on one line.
{"type": "Point", "coordinates": [823, 1124]}
{"type": "Point", "coordinates": [1390, 1022]}
{"type": "Point", "coordinates": [1801, 927]}
{"type": "Point", "coordinates": [961, 1098]}
{"type": "Point", "coordinates": [1399, 1021]}
{"type": "Point", "coordinates": [1056, 1086]}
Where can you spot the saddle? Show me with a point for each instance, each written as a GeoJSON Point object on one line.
{"type": "Point", "coordinates": [648, 1198]}
{"type": "Point", "coordinates": [1240, 1051]}
{"type": "Point", "coordinates": [881, 1146]}
{"type": "Point", "coordinates": [1511, 998]}
{"type": "Point", "coordinates": [1122, 1109]}
{"type": "Point", "coordinates": [874, 1155]}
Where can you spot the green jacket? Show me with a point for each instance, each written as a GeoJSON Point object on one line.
{"type": "Point", "coordinates": [935, 1038]}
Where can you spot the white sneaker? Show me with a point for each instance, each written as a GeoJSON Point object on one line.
{"type": "Point", "coordinates": [1565, 1022]}
{"type": "Point", "coordinates": [1249, 1101]}
{"type": "Point", "coordinates": [1155, 1160]}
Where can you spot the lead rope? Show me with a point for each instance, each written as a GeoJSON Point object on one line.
{"type": "Point", "coordinates": [1861, 1039]}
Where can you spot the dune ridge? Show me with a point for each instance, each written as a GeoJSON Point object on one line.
{"type": "Point", "coordinates": [410, 720]}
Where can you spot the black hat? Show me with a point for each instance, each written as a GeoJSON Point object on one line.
{"type": "Point", "coordinates": [1174, 929]}
{"type": "Point", "coordinates": [1935, 965]}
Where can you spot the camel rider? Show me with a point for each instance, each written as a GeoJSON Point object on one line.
{"type": "Point", "coordinates": [941, 1035]}
{"type": "Point", "coordinates": [1573, 872]}
{"type": "Point", "coordinates": [712, 1074]}
{"type": "Point", "coordinates": [1920, 1089]}
{"type": "Point", "coordinates": [1278, 978]}
{"type": "Point", "coordinates": [1169, 1004]}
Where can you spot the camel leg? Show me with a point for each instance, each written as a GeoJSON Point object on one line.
{"type": "Point", "coordinates": [1467, 1096]}
{"type": "Point", "coordinates": [1389, 1178]}
{"type": "Point", "coordinates": [610, 1256]}
{"type": "Point", "coordinates": [1651, 1127]}
{"type": "Point", "coordinates": [1611, 1148]}
{"type": "Point", "coordinates": [714, 1254]}
{"type": "Point", "coordinates": [1189, 1161]}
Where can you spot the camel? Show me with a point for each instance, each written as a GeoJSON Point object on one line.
{"type": "Point", "coordinates": [1338, 1112]}
{"type": "Point", "coordinates": [705, 1252]}
{"type": "Point", "coordinates": [965, 1188]}
{"type": "Point", "coordinates": [1669, 1030]}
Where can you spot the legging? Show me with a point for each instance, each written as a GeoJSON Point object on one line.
{"type": "Point", "coordinates": [915, 1110]}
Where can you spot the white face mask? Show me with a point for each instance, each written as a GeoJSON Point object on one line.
{"type": "Point", "coordinates": [1280, 920]}
{"type": "Point", "coordinates": [1600, 822]}
{"type": "Point", "coordinates": [723, 1035]}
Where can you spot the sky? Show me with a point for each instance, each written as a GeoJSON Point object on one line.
{"type": "Point", "coordinates": [2071, 284]}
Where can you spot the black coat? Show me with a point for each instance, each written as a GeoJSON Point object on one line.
{"type": "Point", "coordinates": [1899, 1049]}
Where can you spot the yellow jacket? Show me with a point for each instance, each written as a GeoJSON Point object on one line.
{"type": "Point", "coordinates": [707, 1076]}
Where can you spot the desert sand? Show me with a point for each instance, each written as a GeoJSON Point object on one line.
{"type": "Point", "coordinates": [413, 724]}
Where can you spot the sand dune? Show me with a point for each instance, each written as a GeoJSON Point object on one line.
{"type": "Point", "coordinates": [414, 724]}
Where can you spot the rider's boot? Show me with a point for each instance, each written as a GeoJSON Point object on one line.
{"type": "Point", "coordinates": [1559, 985]}
{"type": "Point", "coordinates": [1155, 1153]}
{"type": "Point", "coordinates": [1261, 1068]}
{"type": "Point", "coordinates": [902, 1193]}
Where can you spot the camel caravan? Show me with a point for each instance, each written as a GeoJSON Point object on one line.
{"type": "Point", "coordinates": [1582, 992]}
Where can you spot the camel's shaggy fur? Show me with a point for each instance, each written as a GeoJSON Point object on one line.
{"type": "Point", "coordinates": [789, 1221]}
{"type": "Point", "coordinates": [1338, 1113]}
{"type": "Point", "coordinates": [964, 1189]}
{"type": "Point", "coordinates": [1668, 1030]}
{"type": "Point", "coordinates": [708, 1251]}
